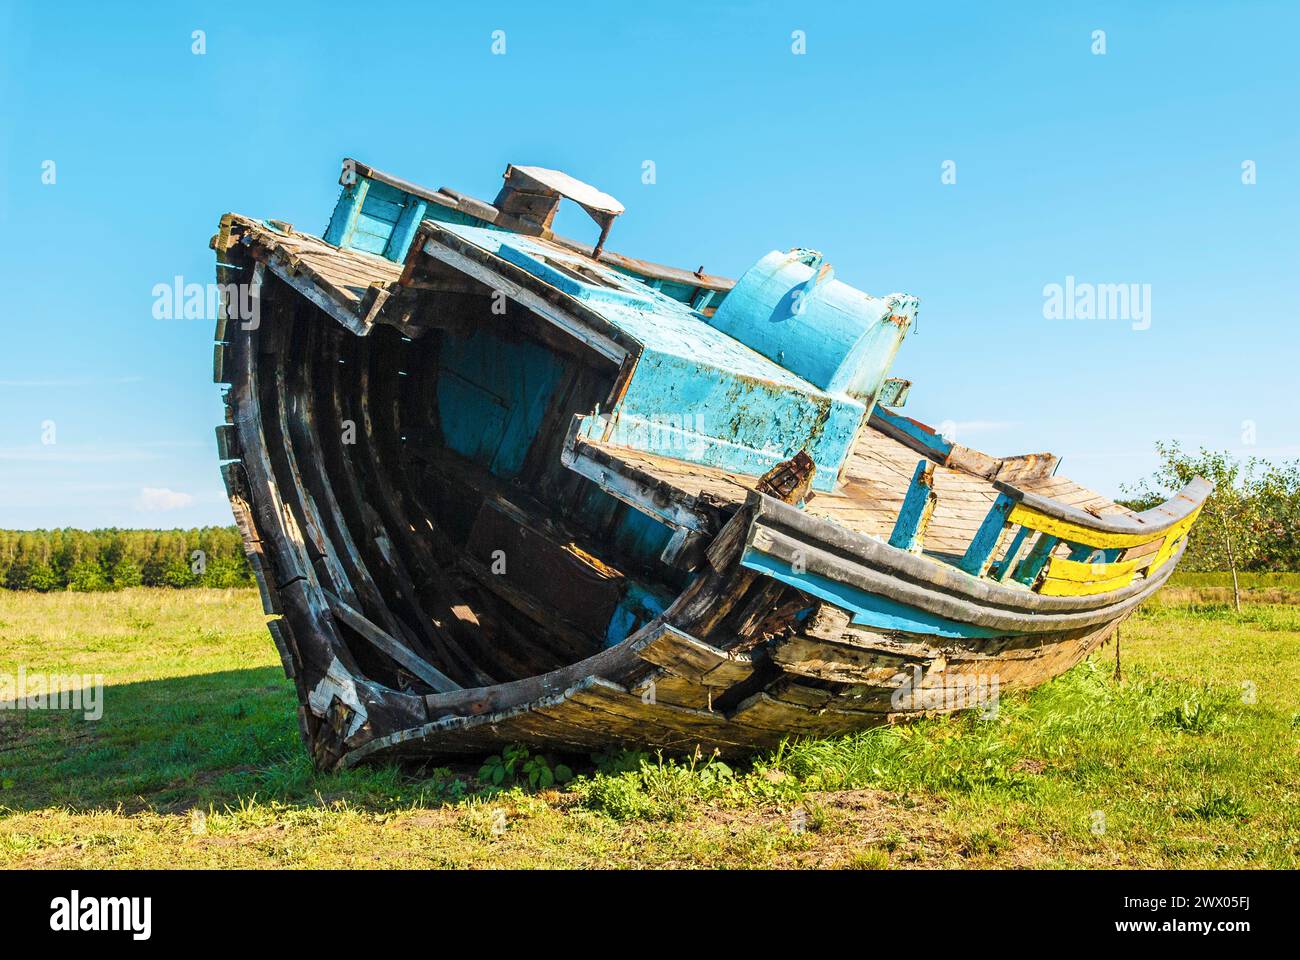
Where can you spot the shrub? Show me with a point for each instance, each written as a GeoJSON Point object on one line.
{"type": "Point", "coordinates": [125, 573]}
{"type": "Point", "coordinates": [87, 576]}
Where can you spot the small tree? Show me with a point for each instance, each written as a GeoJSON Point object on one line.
{"type": "Point", "coordinates": [87, 576]}
{"type": "Point", "coordinates": [1228, 534]}
{"type": "Point", "coordinates": [1279, 508]}
{"type": "Point", "coordinates": [42, 577]}
{"type": "Point", "coordinates": [125, 573]}
{"type": "Point", "coordinates": [177, 574]}
{"type": "Point", "coordinates": [226, 572]}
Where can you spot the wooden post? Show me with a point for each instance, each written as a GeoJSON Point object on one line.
{"type": "Point", "coordinates": [980, 552]}
{"type": "Point", "coordinates": [918, 507]}
{"type": "Point", "coordinates": [344, 220]}
{"type": "Point", "coordinates": [1002, 569]}
{"type": "Point", "coordinates": [405, 228]}
{"type": "Point", "coordinates": [1028, 569]}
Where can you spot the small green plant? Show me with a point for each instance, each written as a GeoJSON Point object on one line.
{"type": "Point", "coordinates": [443, 786]}
{"type": "Point", "coordinates": [615, 760]}
{"type": "Point", "coordinates": [622, 797]}
{"type": "Point", "coordinates": [983, 842]}
{"type": "Point", "coordinates": [714, 774]}
{"type": "Point", "coordinates": [542, 775]}
{"type": "Point", "coordinates": [662, 790]}
{"type": "Point", "coordinates": [817, 817]}
{"type": "Point", "coordinates": [1191, 716]}
{"type": "Point", "coordinates": [514, 763]}
{"type": "Point", "coordinates": [893, 840]}
{"type": "Point", "coordinates": [872, 858]}
{"type": "Point", "coordinates": [502, 769]}
{"type": "Point", "coordinates": [1214, 804]}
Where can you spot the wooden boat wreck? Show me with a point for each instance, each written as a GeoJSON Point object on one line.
{"type": "Point", "coordinates": [500, 486]}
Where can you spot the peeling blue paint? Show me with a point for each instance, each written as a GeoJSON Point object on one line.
{"type": "Point", "coordinates": [868, 609]}
{"type": "Point", "coordinates": [638, 607]}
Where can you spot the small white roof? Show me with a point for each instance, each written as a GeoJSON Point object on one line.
{"type": "Point", "coordinates": [577, 191]}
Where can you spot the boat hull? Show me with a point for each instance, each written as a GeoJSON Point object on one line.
{"type": "Point", "coordinates": [455, 558]}
{"type": "Point", "coordinates": [775, 661]}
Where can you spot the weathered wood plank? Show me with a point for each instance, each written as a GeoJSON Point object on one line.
{"type": "Point", "coordinates": [417, 665]}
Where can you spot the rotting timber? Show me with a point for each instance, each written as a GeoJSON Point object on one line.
{"type": "Point", "coordinates": [497, 486]}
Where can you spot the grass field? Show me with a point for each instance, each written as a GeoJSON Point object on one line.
{"type": "Point", "coordinates": [1192, 760]}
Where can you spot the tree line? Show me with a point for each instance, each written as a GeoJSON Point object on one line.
{"type": "Point", "coordinates": [113, 559]}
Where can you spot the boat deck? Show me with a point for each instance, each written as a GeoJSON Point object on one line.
{"type": "Point", "coordinates": [874, 483]}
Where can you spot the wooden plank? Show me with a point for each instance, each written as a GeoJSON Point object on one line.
{"type": "Point", "coordinates": [1145, 525]}
{"type": "Point", "coordinates": [1026, 467]}
{"type": "Point", "coordinates": [345, 212]}
{"type": "Point", "coordinates": [1060, 568]}
{"type": "Point", "coordinates": [227, 442]}
{"type": "Point", "coordinates": [438, 249]}
{"type": "Point", "coordinates": [1074, 588]}
{"type": "Point", "coordinates": [1003, 568]}
{"type": "Point", "coordinates": [1027, 570]}
{"type": "Point", "coordinates": [1172, 540]}
{"type": "Point", "coordinates": [417, 665]}
{"type": "Point", "coordinates": [405, 228]}
{"type": "Point", "coordinates": [838, 662]}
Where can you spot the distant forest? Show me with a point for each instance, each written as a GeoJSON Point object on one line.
{"type": "Point", "coordinates": [113, 559]}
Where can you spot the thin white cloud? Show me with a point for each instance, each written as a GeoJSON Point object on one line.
{"type": "Point", "coordinates": [159, 499]}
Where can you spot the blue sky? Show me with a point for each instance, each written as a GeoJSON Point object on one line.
{"type": "Point", "coordinates": [1117, 168]}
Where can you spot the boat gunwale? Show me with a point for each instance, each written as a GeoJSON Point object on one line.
{"type": "Point", "coordinates": [1163, 516]}
{"type": "Point", "coordinates": [872, 554]}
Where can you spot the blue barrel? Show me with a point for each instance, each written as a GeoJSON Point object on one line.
{"type": "Point", "coordinates": [791, 309]}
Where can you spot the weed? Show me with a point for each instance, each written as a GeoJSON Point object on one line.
{"type": "Point", "coordinates": [1213, 804]}
{"type": "Point", "coordinates": [872, 858]}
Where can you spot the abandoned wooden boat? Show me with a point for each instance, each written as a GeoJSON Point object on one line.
{"type": "Point", "coordinates": [500, 486]}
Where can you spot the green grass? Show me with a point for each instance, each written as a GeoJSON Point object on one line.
{"type": "Point", "coordinates": [1193, 760]}
{"type": "Point", "coordinates": [1217, 587]}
